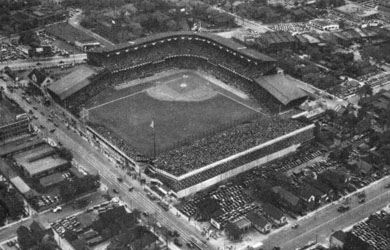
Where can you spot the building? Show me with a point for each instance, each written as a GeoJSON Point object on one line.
{"type": "Point", "coordinates": [324, 25]}
{"type": "Point", "coordinates": [276, 40]}
{"type": "Point", "coordinates": [284, 88]}
{"type": "Point", "coordinates": [40, 161]}
{"type": "Point", "coordinates": [39, 78]}
{"type": "Point", "coordinates": [259, 222]}
{"type": "Point", "coordinates": [287, 199]}
{"type": "Point", "coordinates": [274, 214]}
{"type": "Point", "coordinates": [71, 83]}
{"type": "Point", "coordinates": [337, 239]}
{"type": "Point", "coordinates": [243, 224]}
{"type": "Point", "coordinates": [13, 120]}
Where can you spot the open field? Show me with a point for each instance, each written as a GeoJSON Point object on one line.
{"type": "Point", "coordinates": [181, 106]}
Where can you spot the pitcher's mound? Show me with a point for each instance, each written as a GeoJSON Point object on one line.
{"type": "Point", "coordinates": [182, 91]}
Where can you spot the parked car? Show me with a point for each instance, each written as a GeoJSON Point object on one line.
{"type": "Point", "coordinates": [343, 209]}
{"type": "Point", "coordinates": [57, 209]}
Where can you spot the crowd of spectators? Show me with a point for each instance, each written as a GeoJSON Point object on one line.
{"type": "Point", "coordinates": [157, 51]}
{"type": "Point", "coordinates": [229, 165]}
{"type": "Point", "coordinates": [207, 150]}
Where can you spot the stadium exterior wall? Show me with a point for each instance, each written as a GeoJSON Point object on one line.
{"type": "Point", "coordinates": [215, 164]}
{"type": "Point", "coordinates": [231, 173]}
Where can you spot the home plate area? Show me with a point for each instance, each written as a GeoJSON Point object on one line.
{"type": "Point", "coordinates": [186, 88]}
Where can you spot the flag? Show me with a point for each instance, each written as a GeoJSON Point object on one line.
{"type": "Point", "coordinates": [152, 124]}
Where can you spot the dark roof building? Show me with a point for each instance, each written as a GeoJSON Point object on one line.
{"type": "Point", "coordinates": [283, 87]}
{"type": "Point", "coordinates": [72, 83]}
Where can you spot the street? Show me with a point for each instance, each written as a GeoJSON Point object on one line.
{"type": "Point", "coordinates": [320, 225]}
{"type": "Point", "coordinates": [94, 161]}
{"type": "Point", "coordinates": [55, 61]}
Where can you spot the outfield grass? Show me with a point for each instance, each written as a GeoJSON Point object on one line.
{"type": "Point", "coordinates": [175, 121]}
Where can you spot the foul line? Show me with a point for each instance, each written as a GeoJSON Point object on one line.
{"type": "Point", "coordinates": [121, 98]}
{"type": "Point", "coordinates": [243, 104]}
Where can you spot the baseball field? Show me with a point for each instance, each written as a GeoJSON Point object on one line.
{"type": "Point", "coordinates": [173, 109]}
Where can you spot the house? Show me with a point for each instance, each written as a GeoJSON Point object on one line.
{"type": "Point", "coordinates": [243, 224]}
{"type": "Point", "coordinates": [39, 78]}
{"type": "Point", "coordinates": [259, 222]}
{"type": "Point", "coordinates": [337, 239]}
{"type": "Point", "coordinates": [328, 192]}
{"type": "Point", "coordinates": [310, 196]}
{"type": "Point", "coordinates": [274, 214]}
{"type": "Point", "coordinates": [287, 199]}
{"type": "Point", "coordinates": [363, 167]}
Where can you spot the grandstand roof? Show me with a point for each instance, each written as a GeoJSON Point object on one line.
{"type": "Point", "coordinates": [72, 82]}
{"type": "Point", "coordinates": [282, 87]}
{"type": "Point", "coordinates": [253, 54]}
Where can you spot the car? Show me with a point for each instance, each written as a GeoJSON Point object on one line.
{"type": "Point", "coordinates": [362, 201]}
{"type": "Point", "coordinates": [115, 191]}
{"type": "Point", "coordinates": [387, 185]}
{"type": "Point", "coordinates": [295, 226]}
{"type": "Point", "coordinates": [57, 209]}
{"type": "Point", "coordinates": [52, 130]}
{"type": "Point", "coordinates": [343, 209]}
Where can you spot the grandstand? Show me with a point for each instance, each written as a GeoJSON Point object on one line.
{"type": "Point", "coordinates": [210, 158]}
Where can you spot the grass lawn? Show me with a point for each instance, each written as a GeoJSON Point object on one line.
{"type": "Point", "coordinates": [175, 120]}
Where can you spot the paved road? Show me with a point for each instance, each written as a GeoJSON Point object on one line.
{"type": "Point", "coordinates": [321, 224]}
{"type": "Point", "coordinates": [94, 161]}
{"type": "Point", "coordinates": [55, 61]}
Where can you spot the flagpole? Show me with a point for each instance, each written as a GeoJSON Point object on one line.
{"type": "Point", "coordinates": [154, 143]}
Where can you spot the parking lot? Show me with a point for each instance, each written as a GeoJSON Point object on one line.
{"type": "Point", "coordinates": [10, 52]}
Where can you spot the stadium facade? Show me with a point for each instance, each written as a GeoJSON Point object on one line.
{"type": "Point", "coordinates": [146, 56]}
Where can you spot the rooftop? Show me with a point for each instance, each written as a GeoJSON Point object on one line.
{"type": "Point", "coordinates": [253, 54]}
{"type": "Point", "coordinates": [51, 179]}
{"type": "Point", "coordinates": [34, 154]}
{"type": "Point", "coordinates": [72, 82]}
{"type": "Point", "coordinates": [8, 111]}
{"type": "Point", "coordinates": [282, 87]}
{"type": "Point", "coordinates": [43, 164]}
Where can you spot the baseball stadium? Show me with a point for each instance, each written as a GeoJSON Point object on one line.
{"type": "Point", "coordinates": [201, 107]}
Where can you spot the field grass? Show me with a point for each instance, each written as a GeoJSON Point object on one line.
{"type": "Point", "coordinates": [129, 117]}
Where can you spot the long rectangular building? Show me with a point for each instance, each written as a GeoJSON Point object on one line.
{"type": "Point", "coordinates": [13, 120]}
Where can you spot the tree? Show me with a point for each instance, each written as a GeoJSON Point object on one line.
{"type": "Point", "coordinates": [365, 90]}
{"type": "Point", "coordinates": [65, 153]}
{"type": "Point", "coordinates": [67, 190]}
{"type": "Point", "coordinates": [14, 204]}
{"type": "Point", "coordinates": [25, 239]}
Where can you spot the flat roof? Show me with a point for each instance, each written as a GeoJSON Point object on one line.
{"type": "Point", "coordinates": [253, 54]}
{"type": "Point", "coordinates": [21, 144]}
{"type": "Point", "coordinates": [51, 179]}
{"type": "Point", "coordinates": [20, 185]}
{"type": "Point", "coordinates": [72, 82]}
{"type": "Point", "coordinates": [33, 153]}
{"type": "Point", "coordinates": [44, 165]}
{"type": "Point", "coordinates": [282, 87]}
{"type": "Point", "coordinates": [8, 111]}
